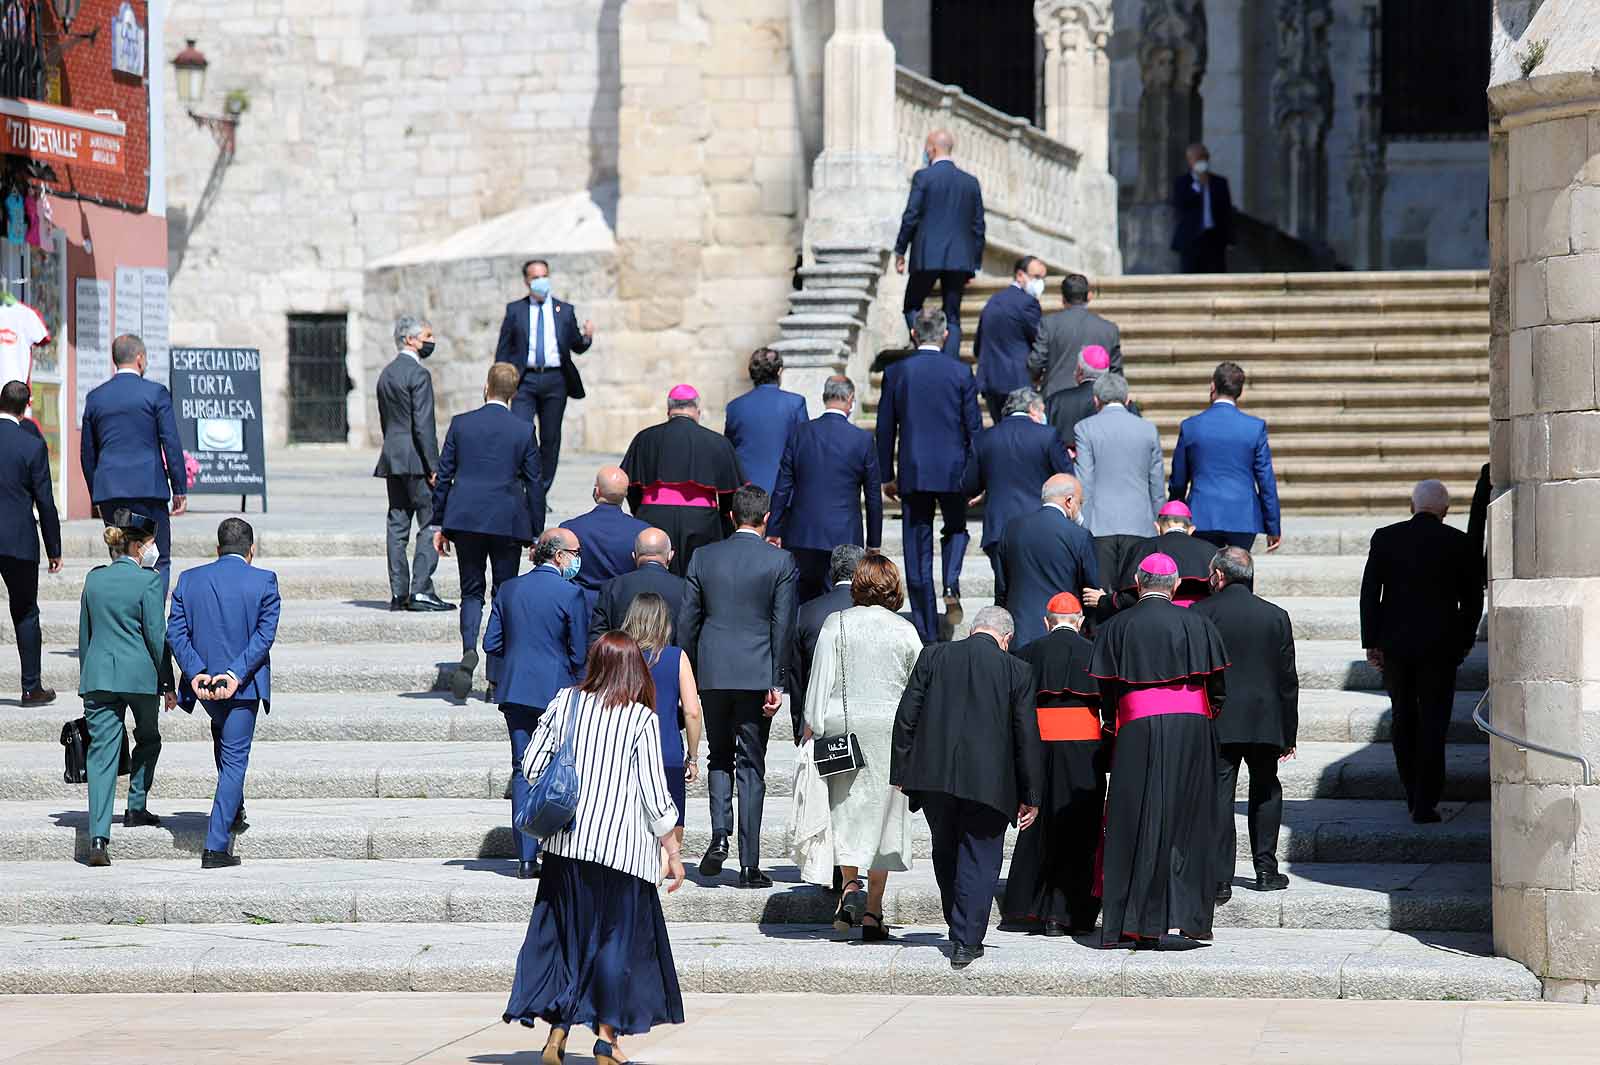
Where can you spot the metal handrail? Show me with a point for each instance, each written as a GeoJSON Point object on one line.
{"type": "Point", "coordinates": [1528, 745]}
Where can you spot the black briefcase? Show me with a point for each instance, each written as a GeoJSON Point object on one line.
{"type": "Point", "coordinates": [75, 745]}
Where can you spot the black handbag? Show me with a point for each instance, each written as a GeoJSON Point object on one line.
{"type": "Point", "coordinates": [75, 745]}
{"type": "Point", "coordinates": [833, 755]}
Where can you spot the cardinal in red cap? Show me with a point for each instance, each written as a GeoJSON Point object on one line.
{"type": "Point", "coordinates": [1160, 672]}
{"type": "Point", "coordinates": [1051, 884]}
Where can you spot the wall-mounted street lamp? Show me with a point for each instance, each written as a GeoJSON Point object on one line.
{"type": "Point", "coordinates": [66, 12]}
{"type": "Point", "coordinates": [189, 69]}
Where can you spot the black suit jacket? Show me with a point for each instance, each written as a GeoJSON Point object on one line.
{"type": "Point", "coordinates": [967, 727]}
{"type": "Point", "coordinates": [24, 485]}
{"type": "Point", "coordinates": [512, 346]}
{"type": "Point", "coordinates": [807, 628]}
{"type": "Point", "coordinates": [611, 607]}
{"type": "Point", "coordinates": [738, 614]}
{"type": "Point", "coordinates": [1422, 592]}
{"type": "Point", "coordinates": [1263, 686]}
{"type": "Point", "coordinates": [1189, 205]}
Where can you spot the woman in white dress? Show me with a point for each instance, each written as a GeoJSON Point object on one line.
{"type": "Point", "coordinates": [864, 657]}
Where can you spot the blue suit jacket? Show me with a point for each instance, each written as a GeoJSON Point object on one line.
{"type": "Point", "coordinates": [930, 400]}
{"type": "Point", "coordinates": [128, 425]}
{"type": "Point", "coordinates": [943, 223]}
{"type": "Point", "coordinates": [758, 425]}
{"type": "Point", "coordinates": [488, 477]}
{"type": "Point", "coordinates": [828, 465]}
{"type": "Point", "coordinates": [606, 536]}
{"type": "Point", "coordinates": [1222, 466]}
{"type": "Point", "coordinates": [540, 624]}
{"type": "Point", "coordinates": [24, 484]}
{"type": "Point", "coordinates": [1014, 460]}
{"type": "Point", "coordinates": [1042, 553]}
{"type": "Point", "coordinates": [512, 346]}
{"type": "Point", "coordinates": [1007, 329]}
{"type": "Point", "coordinates": [224, 618]}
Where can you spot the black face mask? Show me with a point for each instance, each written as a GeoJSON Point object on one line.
{"type": "Point", "coordinates": [426, 349]}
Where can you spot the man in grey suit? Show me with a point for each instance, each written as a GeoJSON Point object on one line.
{"type": "Point", "coordinates": [1054, 360]}
{"type": "Point", "coordinates": [1119, 463]}
{"type": "Point", "coordinates": [408, 463]}
{"type": "Point", "coordinates": [735, 625]}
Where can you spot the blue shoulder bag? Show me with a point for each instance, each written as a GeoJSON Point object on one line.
{"type": "Point", "coordinates": [553, 798]}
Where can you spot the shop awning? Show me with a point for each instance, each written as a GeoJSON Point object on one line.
{"type": "Point", "coordinates": [61, 135]}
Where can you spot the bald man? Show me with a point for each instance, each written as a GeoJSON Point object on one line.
{"type": "Point", "coordinates": [943, 227]}
{"type": "Point", "coordinates": [607, 532]}
{"type": "Point", "coordinates": [652, 555]}
{"type": "Point", "coordinates": [1421, 598]}
{"type": "Point", "coordinates": [1043, 552]}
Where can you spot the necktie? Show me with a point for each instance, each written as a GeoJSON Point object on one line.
{"type": "Point", "coordinates": [538, 341]}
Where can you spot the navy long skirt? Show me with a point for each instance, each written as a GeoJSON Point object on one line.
{"type": "Point", "coordinates": [596, 952]}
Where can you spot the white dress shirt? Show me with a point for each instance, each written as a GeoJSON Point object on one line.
{"type": "Point", "coordinates": [552, 354]}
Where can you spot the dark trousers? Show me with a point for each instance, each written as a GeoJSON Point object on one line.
{"type": "Point", "coordinates": [952, 283]}
{"type": "Point", "coordinates": [410, 500]}
{"type": "Point", "coordinates": [1421, 690]}
{"type": "Point", "coordinates": [21, 577]}
{"type": "Point", "coordinates": [1264, 810]}
{"type": "Point", "coordinates": [968, 846]}
{"type": "Point", "coordinates": [1206, 254]}
{"type": "Point", "coordinates": [104, 713]}
{"type": "Point", "coordinates": [916, 528]}
{"type": "Point", "coordinates": [811, 565]}
{"type": "Point", "coordinates": [1112, 554]}
{"type": "Point", "coordinates": [1227, 539]}
{"type": "Point", "coordinates": [154, 508]}
{"type": "Point", "coordinates": [233, 729]}
{"type": "Point", "coordinates": [475, 554]}
{"type": "Point", "coordinates": [736, 735]}
{"type": "Point", "coordinates": [520, 722]}
{"type": "Point", "coordinates": [996, 402]}
{"type": "Point", "coordinates": [542, 399]}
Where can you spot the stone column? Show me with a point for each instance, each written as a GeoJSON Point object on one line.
{"type": "Point", "coordinates": [1077, 75]}
{"type": "Point", "coordinates": [1172, 60]}
{"type": "Point", "coordinates": [1544, 617]}
{"type": "Point", "coordinates": [1302, 107]}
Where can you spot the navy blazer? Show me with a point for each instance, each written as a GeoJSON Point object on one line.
{"type": "Point", "coordinates": [931, 402]}
{"type": "Point", "coordinates": [512, 346]}
{"type": "Point", "coordinates": [617, 595]}
{"type": "Point", "coordinates": [224, 618]}
{"type": "Point", "coordinates": [1007, 329]}
{"type": "Point", "coordinates": [605, 536]}
{"type": "Point", "coordinates": [1040, 554]}
{"type": "Point", "coordinates": [1189, 205]}
{"type": "Point", "coordinates": [758, 425]}
{"type": "Point", "coordinates": [1222, 466]}
{"type": "Point", "coordinates": [128, 426]}
{"type": "Point", "coordinates": [1014, 460]}
{"type": "Point", "coordinates": [489, 477]}
{"type": "Point", "coordinates": [828, 466]}
{"type": "Point", "coordinates": [943, 223]}
{"type": "Point", "coordinates": [540, 624]}
{"type": "Point", "coordinates": [25, 484]}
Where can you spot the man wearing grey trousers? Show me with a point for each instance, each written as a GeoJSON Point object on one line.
{"type": "Point", "coordinates": [408, 464]}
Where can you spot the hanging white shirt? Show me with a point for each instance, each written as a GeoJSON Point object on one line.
{"type": "Point", "coordinates": [552, 354]}
{"type": "Point", "coordinates": [20, 329]}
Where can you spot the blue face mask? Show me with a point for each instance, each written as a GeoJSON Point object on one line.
{"type": "Point", "coordinates": [540, 286]}
{"type": "Point", "coordinates": [570, 570]}
{"type": "Point", "coordinates": [926, 161]}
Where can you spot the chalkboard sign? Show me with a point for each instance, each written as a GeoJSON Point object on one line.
{"type": "Point", "coordinates": [216, 393]}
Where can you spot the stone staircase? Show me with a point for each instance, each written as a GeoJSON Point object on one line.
{"type": "Point", "coordinates": [1369, 382]}
{"type": "Point", "coordinates": [379, 852]}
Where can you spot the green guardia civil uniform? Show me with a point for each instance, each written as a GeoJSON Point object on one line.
{"type": "Point", "coordinates": [122, 665]}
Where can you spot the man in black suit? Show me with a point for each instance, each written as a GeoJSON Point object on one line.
{"type": "Point", "coordinates": [1015, 456]}
{"type": "Point", "coordinates": [1043, 553]}
{"type": "Point", "coordinates": [1205, 215]}
{"type": "Point", "coordinates": [735, 625]}
{"type": "Point", "coordinates": [652, 554]}
{"type": "Point", "coordinates": [540, 336]}
{"type": "Point", "coordinates": [1421, 598]}
{"type": "Point", "coordinates": [943, 226]}
{"type": "Point", "coordinates": [967, 752]}
{"type": "Point", "coordinates": [408, 464]}
{"type": "Point", "coordinates": [24, 487]}
{"type": "Point", "coordinates": [1263, 713]}
{"type": "Point", "coordinates": [842, 565]}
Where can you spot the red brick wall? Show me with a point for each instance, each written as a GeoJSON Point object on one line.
{"type": "Point", "coordinates": [88, 83]}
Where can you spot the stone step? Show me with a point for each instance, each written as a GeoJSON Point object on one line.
{"type": "Point", "coordinates": [1396, 375]}
{"type": "Point", "coordinates": [1441, 897]}
{"type": "Point", "coordinates": [1398, 446]}
{"type": "Point", "coordinates": [746, 958]}
{"type": "Point", "coordinates": [1140, 355]}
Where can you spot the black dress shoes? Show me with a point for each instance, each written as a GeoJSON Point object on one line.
{"type": "Point", "coordinates": [964, 955]}
{"type": "Point", "coordinates": [1224, 891]}
{"type": "Point", "coordinates": [399, 602]}
{"type": "Point", "coordinates": [240, 826]}
{"type": "Point", "coordinates": [39, 697]}
{"type": "Point", "coordinates": [715, 855]}
{"type": "Point", "coordinates": [1426, 817]}
{"type": "Point", "coordinates": [754, 878]}
{"type": "Point", "coordinates": [461, 680]}
{"type": "Point", "coordinates": [218, 860]}
{"type": "Point", "coordinates": [135, 818]}
{"type": "Point", "coordinates": [97, 851]}
{"type": "Point", "coordinates": [427, 601]}
{"type": "Point", "coordinates": [529, 870]}
{"type": "Point", "coordinates": [1054, 929]}
{"type": "Point", "coordinates": [1271, 882]}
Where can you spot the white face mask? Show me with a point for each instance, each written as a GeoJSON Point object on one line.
{"type": "Point", "coordinates": [149, 556]}
{"type": "Point", "coordinates": [1202, 166]}
{"type": "Point", "coordinates": [1036, 287]}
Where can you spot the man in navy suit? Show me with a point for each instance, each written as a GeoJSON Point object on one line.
{"type": "Point", "coordinates": [223, 621]}
{"type": "Point", "coordinates": [607, 533]}
{"type": "Point", "coordinates": [540, 337]}
{"type": "Point", "coordinates": [828, 467]}
{"type": "Point", "coordinates": [931, 405]}
{"type": "Point", "coordinates": [1043, 553]}
{"type": "Point", "coordinates": [759, 422]}
{"type": "Point", "coordinates": [1007, 330]}
{"type": "Point", "coordinates": [1222, 467]}
{"type": "Point", "coordinates": [652, 554]}
{"type": "Point", "coordinates": [128, 430]}
{"type": "Point", "coordinates": [1205, 215]}
{"type": "Point", "coordinates": [24, 486]}
{"type": "Point", "coordinates": [943, 226]}
{"type": "Point", "coordinates": [1015, 457]}
{"type": "Point", "coordinates": [488, 501]}
{"type": "Point", "coordinates": [539, 625]}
